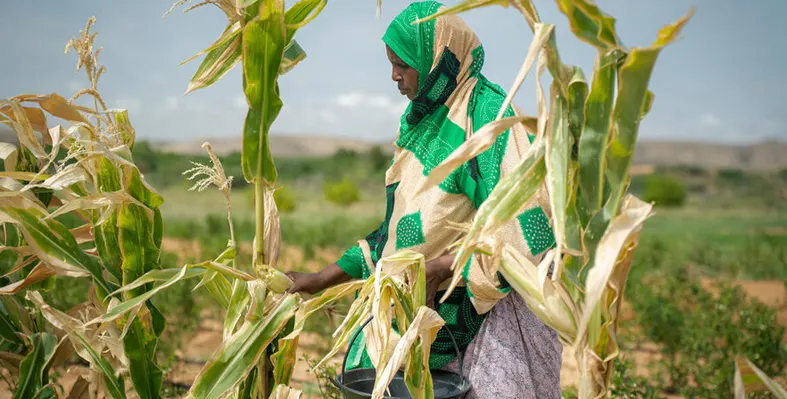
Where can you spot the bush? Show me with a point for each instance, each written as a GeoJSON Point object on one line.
{"type": "Point", "coordinates": [285, 200]}
{"type": "Point", "coordinates": [343, 192]}
{"type": "Point", "coordinates": [664, 190]}
{"type": "Point", "coordinates": [379, 159]}
{"type": "Point", "coordinates": [701, 333]}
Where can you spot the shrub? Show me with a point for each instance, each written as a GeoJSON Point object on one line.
{"type": "Point", "coordinates": [285, 199]}
{"type": "Point", "coordinates": [343, 192]}
{"type": "Point", "coordinates": [379, 159]}
{"type": "Point", "coordinates": [701, 333]}
{"type": "Point", "coordinates": [664, 190]}
{"type": "Point", "coordinates": [733, 176]}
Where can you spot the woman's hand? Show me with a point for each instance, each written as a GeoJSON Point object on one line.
{"type": "Point", "coordinates": [312, 283]}
{"type": "Point", "coordinates": [437, 271]}
{"type": "Point", "coordinates": [302, 282]}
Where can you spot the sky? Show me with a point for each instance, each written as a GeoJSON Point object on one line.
{"type": "Point", "coordinates": [723, 81]}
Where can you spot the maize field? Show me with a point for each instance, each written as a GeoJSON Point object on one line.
{"type": "Point", "coordinates": [75, 205]}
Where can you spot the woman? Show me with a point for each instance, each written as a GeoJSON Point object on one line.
{"type": "Point", "coordinates": [508, 352]}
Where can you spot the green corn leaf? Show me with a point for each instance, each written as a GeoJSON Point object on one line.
{"type": "Point", "coordinates": [9, 328]}
{"type": "Point", "coordinates": [284, 358]}
{"type": "Point", "coordinates": [75, 331]}
{"type": "Point", "coordinates": [141, 190]}
{"type": "Point", "coordinates": [595, 134]}
{"type": "Point", "coordinates": [577, 96]}
{"type": "Point", "coordinates": [589, 23]}
{"type": "Point", "coordinates": [139, 345]}
{"type": "Point", "coordinates": [106, 234]}
{"type": "Point", "coordinates": [106, 239]}
{"type": "Point", "coordinates": [300, 14]}
{"type": "Point", "coordinates": [140, 254]}
{"type": "Point", "coordinates": [232, 31]}
{"type": "Point", "coordinates": [172, 277]}
{"type": "Point", "coordinates": [241, 353]}
{"type": "Point", "coordinates": [52, 242]}
{"type": "Point", "coordinates": [466, 5]}
{"type": "Point", "coordinates": [161, 275]}
{"type": "Point", "coordinates": [293, 55]}
{"type": "Point", "coordinates": [264, 40]}
{"type": "Point", "coordinates": [217, 63]}
{"type": "Point", "coordinates": [632, 100]}
{"type": "Point", "coordinates": [33, 369]}
{"type": "Point", "coordinates": [558, 153]}
{"type": "Point", "coordinates": [238, 300]}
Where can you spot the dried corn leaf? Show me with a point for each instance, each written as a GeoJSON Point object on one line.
{"type": "Point", "coordinates": [425, 326]}
{"type": "Point", "coordinates": [86, 344]}
{"type": "Point", "coordinates": [285, 392]}
{"type": "Point", "coordinates": [24, 130]}
{"type": "Point", "coordinates": [749, 377]}
{"type": "Point", "coordinates": [8, 153]}
{"type": "Point", "coordinates": [70, 175]}
{"type": "Point", "coordinates": [623, 229]}
{"type": "Point", "coordinates": [39, 273]}
{"type": "Point", "coordinates": [56, 105]}
{"type": "Point", "coordinates": [541, 35]}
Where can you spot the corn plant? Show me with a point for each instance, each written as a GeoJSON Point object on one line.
{"type": "Point", "coordinates": [585, 139]}
{"type": "Point", "coordinates": [85, 173]}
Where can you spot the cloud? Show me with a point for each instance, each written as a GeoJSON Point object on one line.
{"type": "Point", "coordinates": [370, 101]}
{"type": "Point", "coordinates": [709, 120]}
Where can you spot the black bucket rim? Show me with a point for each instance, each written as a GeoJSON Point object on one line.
{"type": "Point", "coordinates": [339, 380]}
{"type": "Point", "coordinates": [460, 393]}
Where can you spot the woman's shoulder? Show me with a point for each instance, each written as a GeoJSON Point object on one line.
{"type": "Point", "coordinates": [489, 97]}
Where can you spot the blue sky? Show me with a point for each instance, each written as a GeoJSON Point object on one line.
{"type": "Point", "coordinates": [722, 82]}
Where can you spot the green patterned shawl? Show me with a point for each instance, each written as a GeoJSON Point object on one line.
{"type": "Point", "coordinates": [453, 101]}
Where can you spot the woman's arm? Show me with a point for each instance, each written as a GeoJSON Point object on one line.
{"type": "Point", "coordinates": [312, 283]}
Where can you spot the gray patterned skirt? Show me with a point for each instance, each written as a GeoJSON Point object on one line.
{"type": "Point", "coordinates": [513, 356]}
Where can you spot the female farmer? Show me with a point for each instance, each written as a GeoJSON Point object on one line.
{"type": "Point", "coordinates": [509, 353]}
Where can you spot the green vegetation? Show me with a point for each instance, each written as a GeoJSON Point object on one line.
{"type": "Point", "coordinates": [664, 191]}
{"type": "Point", "coordinates": [342, 192]}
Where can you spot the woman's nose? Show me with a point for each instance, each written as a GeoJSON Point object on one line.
{"type": "Point", "coordinates": [395, 76]}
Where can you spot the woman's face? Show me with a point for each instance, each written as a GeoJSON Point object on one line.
{"type": "Point", "coordinates": [406, 77]}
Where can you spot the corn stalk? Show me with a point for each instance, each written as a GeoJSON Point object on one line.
{"type": "Point", "coordinates": [586, 134]}
{"type": "Point", "coordinates": [259, 35]}
{"type": "Point", "coordinates": [85, 170]}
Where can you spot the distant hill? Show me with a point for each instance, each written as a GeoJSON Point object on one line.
{"type": "Point", "coordinates": [766, 155]}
